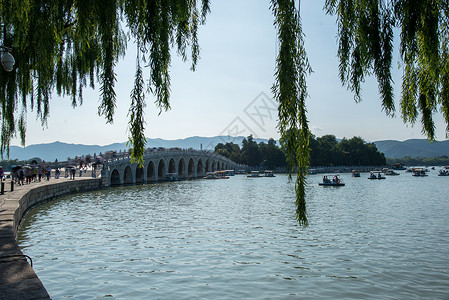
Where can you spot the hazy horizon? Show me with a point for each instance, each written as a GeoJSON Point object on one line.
{"type": "Point", "coordinates": [259, 138]}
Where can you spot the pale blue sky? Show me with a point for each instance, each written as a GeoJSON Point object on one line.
{"type": "Point", "coordinates": [230, 92]}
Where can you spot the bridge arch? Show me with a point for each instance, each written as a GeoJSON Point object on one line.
{"type": "Point", "coordinates": [150, 172]}
{"type": "Point", "coordinates": [115, 177]}
{"type": "Point", "coordinates": [207, 166]}
{"type": "Point", "coordinates": [139, 174]}
{"type": "Point", "coordinates": [181, 168]}
{"type": "Point", "coordinates": [161, 170]}
{"type": "Point", "coordinates": [200, 168]}
{"type": "Point", "coordinates": [128, 175]}
{"type": "Point", "coordinates": [191, 168]}
{"type": "Point", "coordinates": [172, 166]}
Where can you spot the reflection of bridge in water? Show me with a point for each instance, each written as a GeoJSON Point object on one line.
{"type": "Point", "coordinates": [160, 164]}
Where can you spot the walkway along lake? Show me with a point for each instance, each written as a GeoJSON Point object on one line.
{"type": "Point", "coordinates": [17, 278]}
{"type": "Point", "coordinates": [238, 238]}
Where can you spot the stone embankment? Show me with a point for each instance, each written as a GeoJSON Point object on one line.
{"type": "Point", "coordinates": [17, 277]}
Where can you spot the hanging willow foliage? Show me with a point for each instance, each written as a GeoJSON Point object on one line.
{"type": "Point", "coordinates": [136, 113]}
{"type": "Point", "coordinates": [365, 32]}
{"type": "Point", "coordinates": [65, 45]}
{"type": "Point", "coordinates": [58, 45]}
{"type": "Point", "coordinates": [290, 90]}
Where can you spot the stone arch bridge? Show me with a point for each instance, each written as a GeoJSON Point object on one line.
{"type": "Point", "coordinates": [159, 165]}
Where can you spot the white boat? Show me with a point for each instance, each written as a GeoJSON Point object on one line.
{"type": "Point", "coordinates": [254, 174]}
{"type": "Point", "coordinates": [229, 172]}
{"type": "Point", "coordinates": [413, 169]}
{"type": "Point", "coordinates": [419, 172]}
{"type": "Point", "coordinates": [376, 175]}
{"type": "Point", "coordinates": [355, 173]}
{"type": "Point", "coordinates": [268, 173]}
{"type": "Point", "coordinates": [391, 172]}
{"type": "Point", "coordinates": [335, 181]}
{"type": "Point", "coordinates": [221, 175]}
{"type": "Point", "coordinates": [210, 175]}
{"type": "Point", "coordinates": [444, 172]}
{"type": "Point", "coordinates": [399, 167]}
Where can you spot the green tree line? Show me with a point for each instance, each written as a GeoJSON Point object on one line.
{"type": "Point", "coordinates": [328, 151]}
{"type": "Point", "coordinates": [324, 151]}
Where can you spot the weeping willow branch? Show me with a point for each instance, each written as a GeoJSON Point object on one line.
{"type": "Point", "coordinates": [365, 34]}
{"type": "Point", "coordinates": [58, 44]}
{"type": "Point", "coordinates": [290, 91]}
{"type": "Point", "coordinates": [136, 123]}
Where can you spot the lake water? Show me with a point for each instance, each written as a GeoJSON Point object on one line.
{"type": "Point", "coordinates": [238, 238]}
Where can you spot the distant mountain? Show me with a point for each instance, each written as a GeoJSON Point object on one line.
{"type": "Point", "coordinates": [413, 148]}
{"type": "Point", "coordinates": [57, 150]}
{"type": "Point", "coordinates": [61, 151]}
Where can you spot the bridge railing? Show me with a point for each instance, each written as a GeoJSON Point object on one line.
{"type": "Point", "coordinates": [149, 154]}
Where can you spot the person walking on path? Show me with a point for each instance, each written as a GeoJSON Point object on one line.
{"type": "Point", "coordinates": [21, 176]}
{"type": "Point", "coordinates": [34, 173]}
{"type": "Point", "coordinates": [28, 174]}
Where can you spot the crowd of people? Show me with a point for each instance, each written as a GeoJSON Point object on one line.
{"type": "Point", "coordinates": [34, 173]}
{"type": "Point", "coordinates": [37, 171]}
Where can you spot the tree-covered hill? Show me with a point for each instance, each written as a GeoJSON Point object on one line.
{"type": "Point", "coordinates": [413, 148]}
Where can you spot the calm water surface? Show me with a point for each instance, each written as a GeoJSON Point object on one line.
{"type": "Point", "coordinates": [238, 238]}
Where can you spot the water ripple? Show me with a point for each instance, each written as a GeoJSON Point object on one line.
{"type": "Point", "coordinates": [238, 238]}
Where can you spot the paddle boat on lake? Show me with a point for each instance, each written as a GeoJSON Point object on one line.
{"type": "Point", "coordinates": [391, 172]}
{"type": "Point", "coordinates": [335, 181]}
{"type": "Point", "coordinates": [376, 175]}
{"type": "Point", "coordinates": [221, 175]}
{"type": "Point", "coordinates": [419, 172]}
{"type": "Point", "coordinates": [210, 175]}
{"type": "Point", "coordinates": [229, 172]}
{"type": "Point", "coordinates": [268, 173]}
{"type": "Point", "coordinates": [444, 172]}
{"type": "Point", "coordinates": [254, 174]}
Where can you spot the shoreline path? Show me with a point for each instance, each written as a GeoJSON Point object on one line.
{"type": "Point", "coordinates": [17, 277]}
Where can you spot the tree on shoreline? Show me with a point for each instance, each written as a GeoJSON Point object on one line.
{"type": "Point", "coordinates": [324, 151]}
{"type": "Point", "coordinates": [65, 45]}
